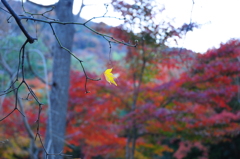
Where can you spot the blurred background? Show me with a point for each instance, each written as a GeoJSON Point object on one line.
{"type": "Point", "coordinates": [177, 93]}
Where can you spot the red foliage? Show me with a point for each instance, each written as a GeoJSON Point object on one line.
{"type": "Point", "coordinates": [195, 106]}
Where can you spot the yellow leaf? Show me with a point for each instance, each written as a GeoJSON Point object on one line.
{"type": "Point", "coordinates": [109, 76]}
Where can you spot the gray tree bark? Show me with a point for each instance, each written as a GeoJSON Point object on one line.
{"type": "Point", "coordinates": [56, 123]}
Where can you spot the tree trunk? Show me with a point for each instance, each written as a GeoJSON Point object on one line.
{"type": "Point", "coordinates": [56, 124]}
{"type": "Point", "coordinates": [134, 138]}
{"type": "Point", "coordinates": [128, 149]}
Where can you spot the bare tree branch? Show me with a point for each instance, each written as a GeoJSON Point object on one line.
{"type": "Point", "coordinates": [34, 73]}
{"type": "Point", "coordinates": [25, 121]}
{"type": "Point", "coordinates": [40, 5]}
{"type": "Point", "coordinates": [22, 61]}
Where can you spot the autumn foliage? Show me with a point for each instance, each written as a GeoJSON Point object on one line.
{"type": "Point", "coordinates": [184, 98]}
{"type": "Point", "coordinates": [180, 101]}
{"type": "Point", "coordinates": [168, 101]}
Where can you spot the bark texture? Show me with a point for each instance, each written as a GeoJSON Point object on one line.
{"type": "Point", "coordinates": [56, 124]}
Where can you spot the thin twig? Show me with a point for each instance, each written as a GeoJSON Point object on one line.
{"type": "Point", "coordinates": [30, 40]}
{"type": "Point", "coordinates": [40, 14]}
{"type": "Point", "coordinates": [4, 10]}
{"type": "Point", "coordinates": [34, 73]}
